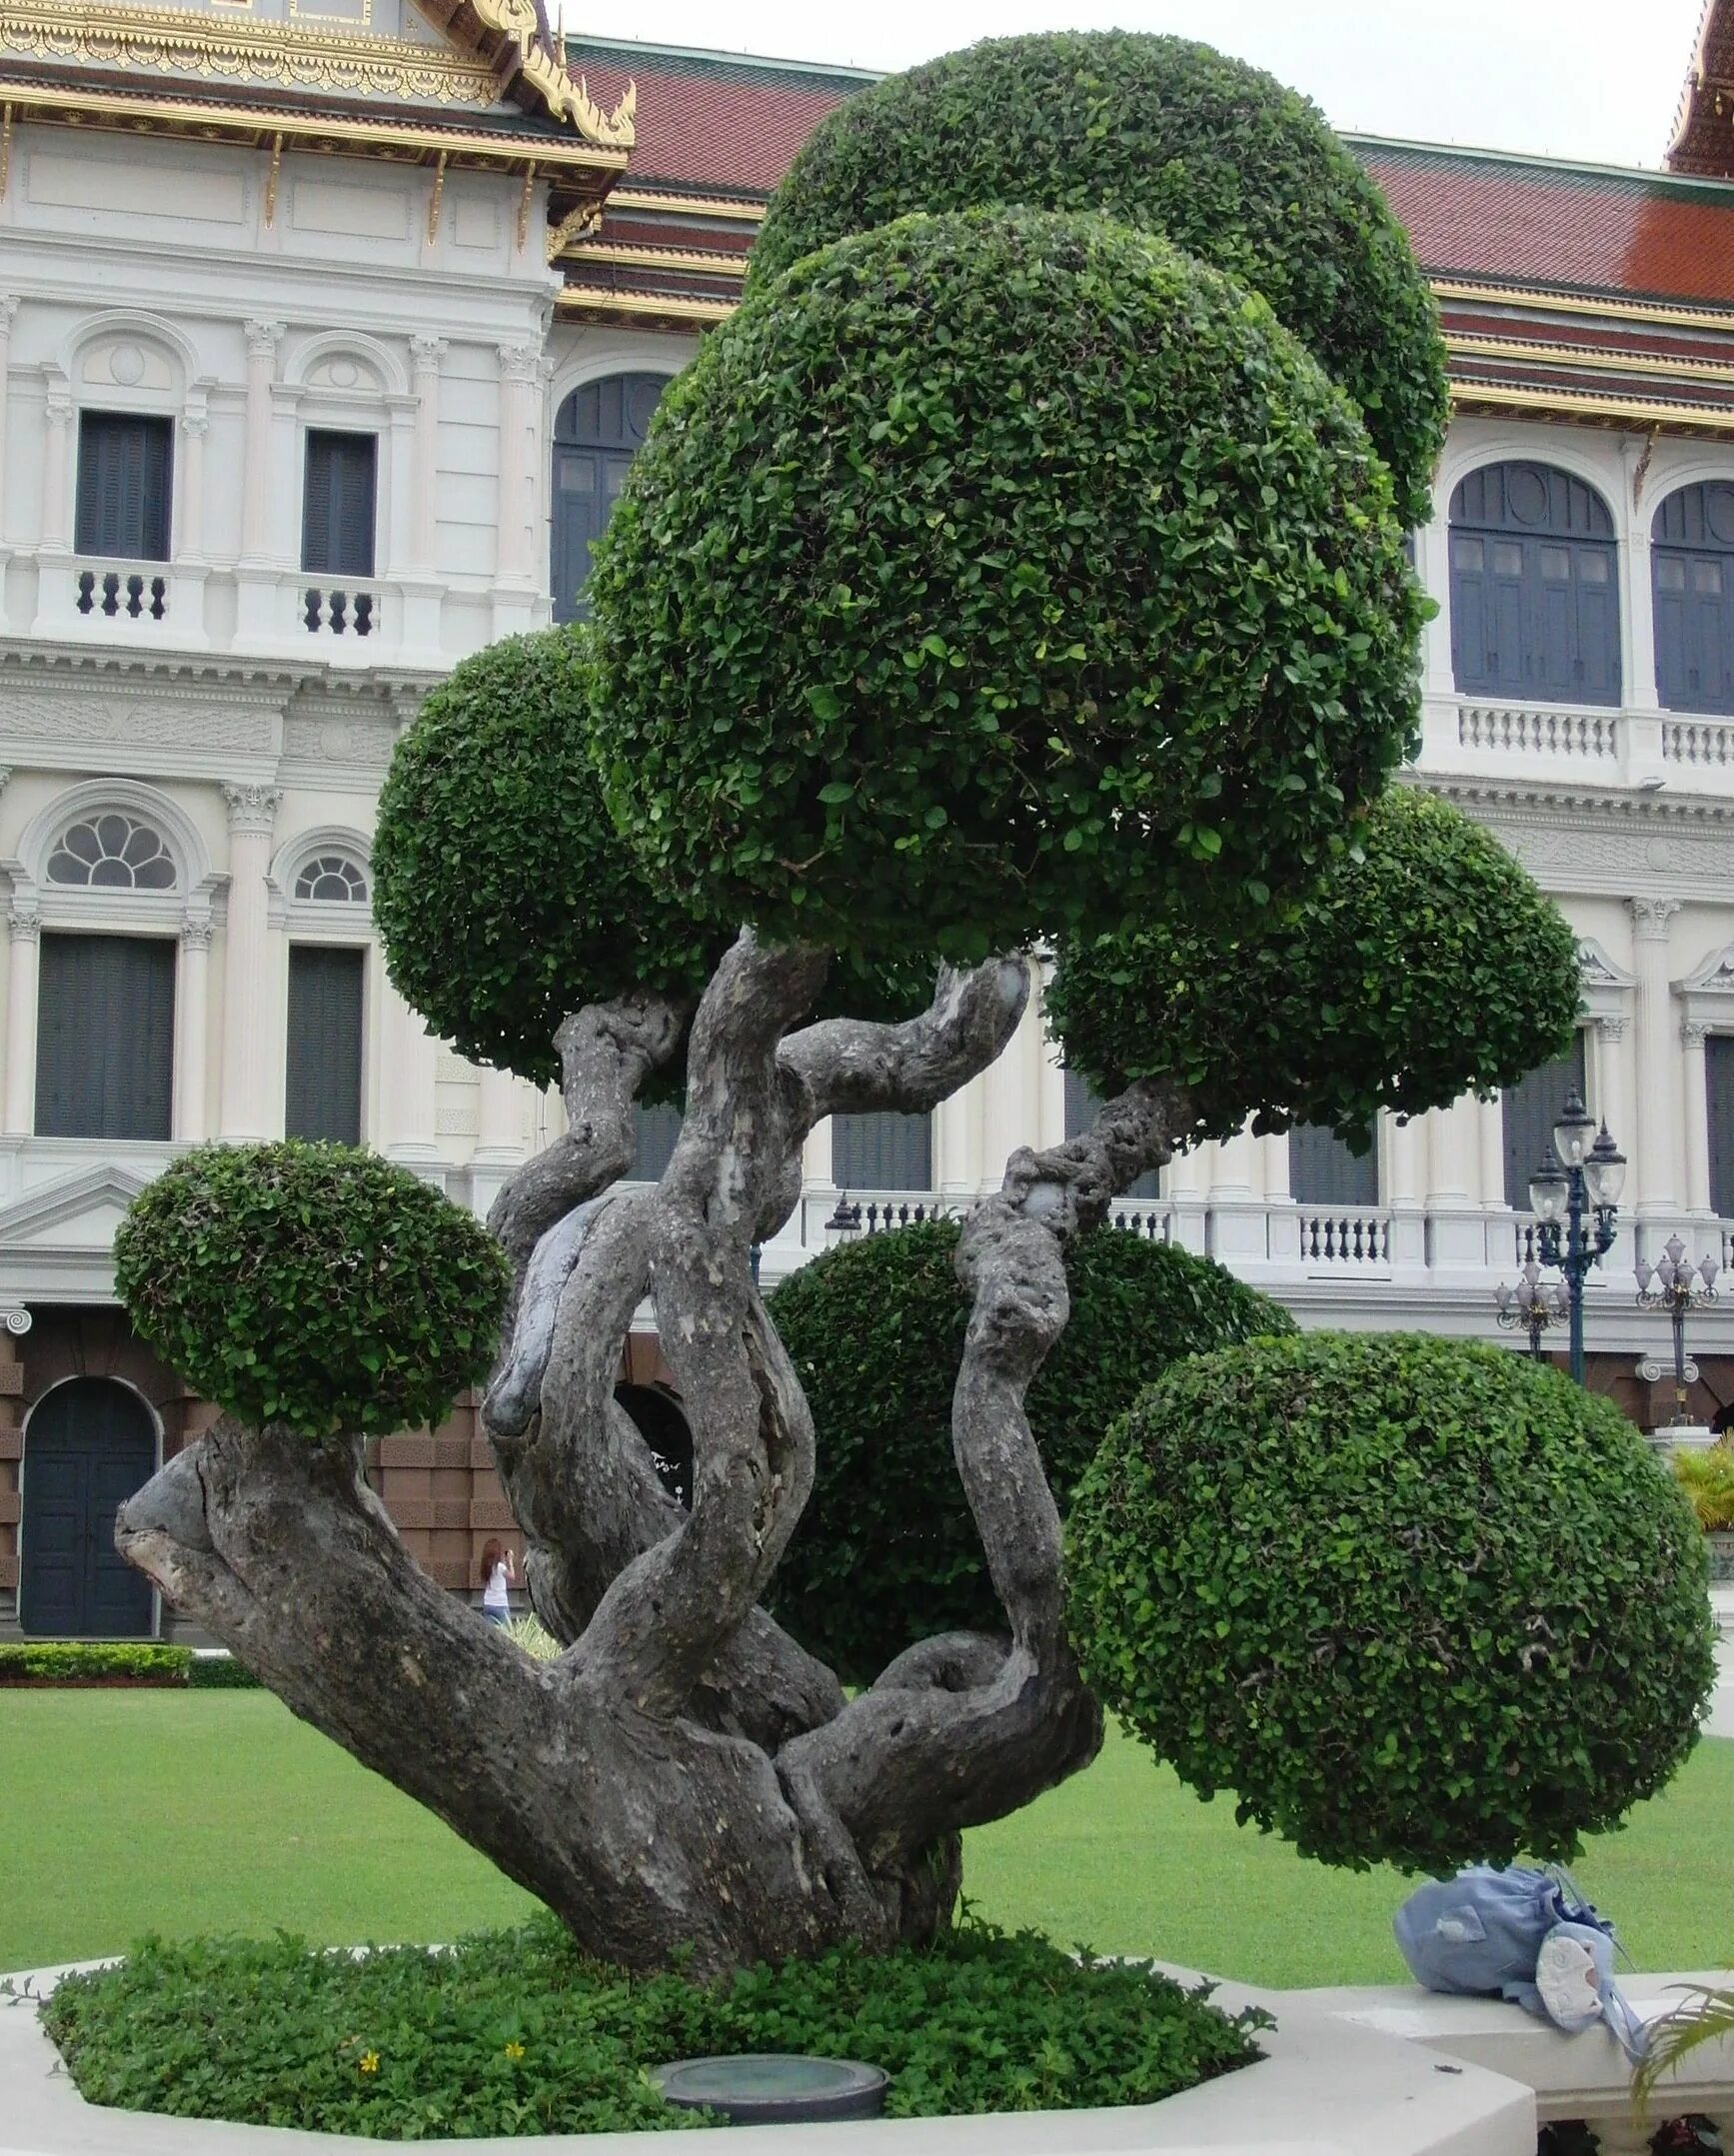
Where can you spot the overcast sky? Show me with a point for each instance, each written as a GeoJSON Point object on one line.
{"type": "Point", "coordinates": [1592, 79]}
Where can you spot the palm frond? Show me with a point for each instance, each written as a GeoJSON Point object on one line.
{"type": "Point", "coordinates": [1702, 2016]}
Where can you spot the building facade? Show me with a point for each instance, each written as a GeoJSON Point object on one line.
{"type": "Point", "coordinates": [326, 339]}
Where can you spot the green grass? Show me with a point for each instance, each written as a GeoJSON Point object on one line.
{"type": "Point", "coordinates": [127, 1812]}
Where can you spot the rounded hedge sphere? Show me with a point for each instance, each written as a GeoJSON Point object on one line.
{"type": "Point", "coordinates": [1173, 138]}
{"type": "Point", "coordinates": [887, 1552]}
{"type": "Point", "coordinates": [990, 574]}
{"type": "Point", "coordinates": [311, 1284]}
{"type": "Point", "coordinates": [1414, 1601]}
{"type": "Point", "coordinates": [504, 896]}
{"type": "Point", "coordinates": [1426, 967]}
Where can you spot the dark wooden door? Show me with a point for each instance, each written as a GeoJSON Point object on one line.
{"type": "Point", "coordinates": [88, 1447]}
{"type": "Point", "coordinates": [597, 433]}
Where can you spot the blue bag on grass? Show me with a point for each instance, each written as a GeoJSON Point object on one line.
{"type": "Point", "coordinates": [1527, 1937]}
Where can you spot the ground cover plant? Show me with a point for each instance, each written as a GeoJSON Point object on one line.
{"type": "Point", "coordinates": [997, 578]}
{"type": "Point", "coordinates": [517, 2032]}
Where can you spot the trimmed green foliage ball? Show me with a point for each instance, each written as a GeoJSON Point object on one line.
{"type": "Point", "coordinates": [1414, 1601]}
{"type": "Point", "coordinates": [1169, 136]}
{"type": "Point", "coordinates": [993, 573]}
{"type": "Point", "coordinates": [887, 1552]}
{"type": "Point", "coordinates": [1427, 965]}
{"type": "Point", "coordinates": [505, 899]}
{"type": "Point", "coordinates": [314, 1286]}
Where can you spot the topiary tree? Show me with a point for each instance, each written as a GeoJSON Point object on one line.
{"type": "Point", "coordinates": [1414, 1601]}
{"type": "Point", "coordinates": [994, 573]}
{"type": "Point", "coordinates": [887, 1551]}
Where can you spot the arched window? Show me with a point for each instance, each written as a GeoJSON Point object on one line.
{"type": "Point", "coordinates": [1535, 599]}
{"type": "Point", "coordinates": [332, 880]}
{"type": "Point", "coordinates": [597, 433]}
{"type": "Point", "coordinates": [1692, 574]}
{"type": "Point", "coordinates": [112, 852]}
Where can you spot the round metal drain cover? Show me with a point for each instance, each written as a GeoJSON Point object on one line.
{"type": "Point", "coordinates": [771, 2088]}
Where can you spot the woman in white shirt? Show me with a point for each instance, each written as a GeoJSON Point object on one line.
{"type": "Point", "coordinates": [498, 1577]}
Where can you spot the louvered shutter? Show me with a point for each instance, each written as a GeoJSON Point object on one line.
{"type": "Point", "coordinates": [323, 1090]}
{"type": "Point", "coordinates": [1322, 1171]}
{"type": "Point", "coordinates": [105, 1041]}
{"type": "Point", "coordinates": [338, 502]}
{"type": "Point", "coordinates": [125, 471]}
{"type": "Point", "coordinates": [1719, 1084]}
{"type": "Point", "coordinates": [1531, 1108]}
{"type": "Point", "coordinates": [881, 1152]}
{"type": "Point", "coordinates": [1081, 1106]}
{"type": "Point", "coordinates": [656, 1130]}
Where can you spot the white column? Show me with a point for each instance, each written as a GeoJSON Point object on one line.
{"type": "Point", "coordinates": [1490, 1121]}
{"type": "Point", "coordinates": [192, 1030]}
{"type": "Point", "coordinates": [1638, 670]}
{"type": "Point", "coordinates": [1695, 1114]}
{"type": "Point", "coordinates": [8, 312]}
{"type": "Point", "coordinates": [25, 923]}
{"type": "Point", "coordinates": [520, 382]}
{"type": "Point", "coordinates": [190, 536]}
{"type": "Point", "coordinates": [425, 356]}
{"type": "Point", "coordinates": [263, 339]}
{"type": "Point", "coordinates": [1656, 1152]}
{"type": "Point", "coordinates": [1610, 1096]}
{"type": "Point", "coordinates": [412, 1081]}
{"type": "Point", "coordinates": [56, 523]}
{"type": "Point", "coordinates": [500, 1135]}
{"type": "Point", "coordinates": [250, 1084]}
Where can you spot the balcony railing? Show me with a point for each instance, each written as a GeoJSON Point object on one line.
{"type": "Point", "coordinates": [134, 595]}
{"type": "Point", "coordinates": [1689, 751]}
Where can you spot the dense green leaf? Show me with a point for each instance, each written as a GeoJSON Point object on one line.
{"type": "Point", "coordinates": [1428, 967]}
{"type": "Point", "coordinates": [1167, 136]}
{"type": "Point", "coordinates": [887, 1551]}
{"type": "Point", "coordinates": [1413, 1600]}
{"type": "Point", "coordinates": [316, 1285]}
{"type": "Point", "coordinates": [1080, 491]}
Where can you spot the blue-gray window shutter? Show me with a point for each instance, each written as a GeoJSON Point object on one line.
{"type": "Point", "coordinates": [656, 1130]}
{"type": "Point", "coordinates": [125, 466]}
{"type": "Point", "coordinates": [321, 1095]}
{"type": "Point", "coordinates": [105, 1036]}
{"type": "Point", "coordinates": [1535, 586]}
{"type": "Point", "coordinates": [1322, 1171]}
{"type": "Point", "coordinates": [1082, 1104]}
{"type": "Point", "coordinates": [1531, 1108]}
{"type": "Point", "coordinates": [1719, 1086]}
{"type": "Point", "coordinates": [338, 502]}
{"type": "Point", "coordinates": [1692, 577]}
{"type": "Point", "coordinates": [597, 433]}
{"type": "Point", "coordinates": [881, 1152]}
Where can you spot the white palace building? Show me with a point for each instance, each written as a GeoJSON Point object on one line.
{"type": "Point", "coordinates": [327, 333]}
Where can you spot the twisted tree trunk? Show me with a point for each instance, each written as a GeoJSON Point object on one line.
{"type": "Point", "coordinates": [684, 1773]}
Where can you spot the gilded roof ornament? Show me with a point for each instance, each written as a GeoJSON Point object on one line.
{"type": "Point", "coordinates": [546, 73]}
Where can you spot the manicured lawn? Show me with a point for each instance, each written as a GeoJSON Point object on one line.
{"type": "Point", "coordinates": [124, 1812]}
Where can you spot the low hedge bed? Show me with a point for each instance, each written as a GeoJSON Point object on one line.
{"type": "Point", "coordinates": [516, 2032]}
{"type": "Point", "coordinates": [119, 1661]}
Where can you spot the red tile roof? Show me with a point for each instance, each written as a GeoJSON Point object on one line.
{"type": "Point", "coordinates": [708, 121]}
{"type": "Point", "coordinates": [1508, 220]}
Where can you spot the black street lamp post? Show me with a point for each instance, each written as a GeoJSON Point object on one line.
{"type": "Point", "coordinates": [1672, 1286]}
{"type": "Point", "coordinates": [1533, 1304]}
{"type": "Point", "coordinates": [1584, 1182]}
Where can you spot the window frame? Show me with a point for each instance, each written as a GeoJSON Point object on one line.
{"type": "Point", "coordinates": [325, 434]}
{"type": "Point", "coordinates": [92, 420]}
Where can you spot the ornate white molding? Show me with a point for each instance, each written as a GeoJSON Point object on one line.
{"type": "Point", "coordinates": [197, 932]}
{"type": "Point", "coordinates": [1651, 917]}
{"type": "Point", "coordinates": [426, 354]}
{"type": "Point", "coordinates": [24, 919]}
{"type": "Point", "coordinates": [519, 363]}
{"type": "Point", "coordinates": [263, 337]}
{"type": "Point", "coordinates": [252, 808]}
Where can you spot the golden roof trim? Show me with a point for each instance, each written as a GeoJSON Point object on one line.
{"type": "Point", "coordinates": [1589, 357]}
{"type": "Point", "coordinates": [698, 261]}
{"type": "Point", "coordinates": [672, 307]}
{"type": "Point", "coordinates": [1681, 315]}
{"type": "Point", "coordinates": [178, 41]}
{"type": "Point", "coordinates": [255, 124]}
{"type": "Point", "coordinates": [1642, 412]}
{"type": "Point", "coordinates": [718, 206]}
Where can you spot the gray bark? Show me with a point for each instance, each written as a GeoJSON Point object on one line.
{"type": "Point", "coordinates": [684, 1773]}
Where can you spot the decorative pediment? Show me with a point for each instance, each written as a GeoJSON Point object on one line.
{"type": "Point", "coordinates": [1715, 976]}
{"type": "Point", "coordinates": [79, 1215]}
{"type": "Point", "coordinates": [1595, 970]}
